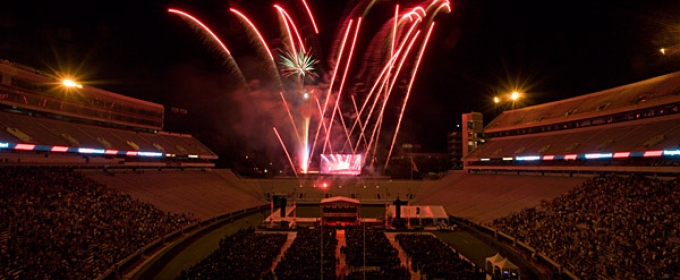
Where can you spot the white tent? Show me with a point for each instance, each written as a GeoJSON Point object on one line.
{"type": "Point", "coordinates": [500, 266]}
{"type": "Point", "coordinates": [490, 261]}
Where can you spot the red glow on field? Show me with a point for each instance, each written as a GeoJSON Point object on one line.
{"type": "Point", "coordinates": [59, 149]}
{"type": "Point", "coordinates": [548, 157]}
{"type": "Point", "coordinates": [111, 152]}
{"type": "Point", "coordinates": [24, 147]}
{"type": "Point", "coordinates": [570, 157]}
{"type": "Point", "coordinates": [131, 153]}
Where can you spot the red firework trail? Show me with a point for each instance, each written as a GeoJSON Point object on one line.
{"type": "Point", "coordinates": [311, 17]}
{"type": "Point", "coordinates": [290, 23]}
{"type": "Point", "coordinates": [369, 98]}
{"type": "Point", "coordinates": [292, 165]}
{"type": "Point", "coordinates": [343, 125]}
{"type": "Point", "coordinates": [408, 90]}
{"type": "Point", "coordinates": [394, 29]}
{"type": "Point", "coordinates": [385, 59]}
{"type": "Point", "coordinates": [361, 136]}
{"type": "Point", "coordinates": [205, 28]}
{"type": "Point", "coordinates": [292, 120]}
{"type": "Point", "coordinates": [330, 87]}
{"type": "Point", "coordinates": [252, 26]}
{"type": "Point", "coordinates": [344, 77]}
{"type": "Point", "coordinates": [389, 91]}
{"type": "Point", "coordinates": [290, 34]}
{"type": "Point", "coordinates": [322, 123]}
{"type": "Point", "coordinates": [387, 69]}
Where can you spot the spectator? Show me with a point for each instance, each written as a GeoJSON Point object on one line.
{"type": "Point", "coordinates": [436, 259]}
{"type": "Point", "coordinates": [244, 255]}
{"type": "Point", "coordinates": [56, 224]}
{"type": "Point", "coordinates": [380, 254]}
{"type": "Point", "coordinates": [617, 227]}
{"type": "Point", "coordinates": [301, 261]}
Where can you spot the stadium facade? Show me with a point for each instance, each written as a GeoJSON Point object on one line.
{"type": "Point", "coordinates": [46, 119]}
{"type": "Point", "coordinates": [630, 128]}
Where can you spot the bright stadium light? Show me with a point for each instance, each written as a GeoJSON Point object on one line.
{"type": "Point", "coordinates": [515, 95]}
{"type": "Point", "coordinates": [496, 99]}
{"type": "Point", "coordinates": [663, 51]}
{"type": "Point", "coordinates": [71, 84]}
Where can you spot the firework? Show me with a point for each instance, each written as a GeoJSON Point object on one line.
{"type": "Point", "coordinates": [334, 109]}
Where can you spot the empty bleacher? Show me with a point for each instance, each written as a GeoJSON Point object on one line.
{"type": "Point", "coordinates": [206, 194]}
{"type": "Point", "coordinates": [482, 198]}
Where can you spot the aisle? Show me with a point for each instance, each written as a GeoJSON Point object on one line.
{"type": "Point", "coordinates": [402, 255]}
{"type": "Point", "coordinates": [341, 269]}
{"type": "Point", "coordinates": [289, 241]}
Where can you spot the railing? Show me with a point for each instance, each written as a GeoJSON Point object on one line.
{"type": "Point", "coordinates": [119, 268]}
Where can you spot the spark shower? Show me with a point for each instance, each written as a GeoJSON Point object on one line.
{"type": "Point", "coordinates": [342, 100]}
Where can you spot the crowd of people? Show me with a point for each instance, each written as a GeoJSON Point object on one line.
{"type": "Point", "coordinates": [611, 226]}
{"type": "Point", "coordinates": [302, 260]}
{"type": "Point", "coordinates": [57, 224]}
{"type": "Point", "coordinates": [381, 257]}
{"type": "Point", "coordinates": [244, 255]}
{"type": "Point", "coordinates": [435, 259]}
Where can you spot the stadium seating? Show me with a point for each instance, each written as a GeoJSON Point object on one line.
{"type": "Point", "coordinates": [244, 255]}
{"type": "Point", "coordinates": [203, 193]}
{"type": "Point", "coordinates": [608, 227]}
{"type": "Point", "coordinates": [658, 90]}
{"type": "Point", "coordinates": [482, 198]}
{"type": "Point", "coordinates": [49, 132]}
{"type": "Point", "coordinates": [629, 136]}
{"type": "Point", "coordinates": [57, 224]}
{"type": "Point", "coordinates": [301, 261]}
{"type": "Point", "coordinates": [437, 260]}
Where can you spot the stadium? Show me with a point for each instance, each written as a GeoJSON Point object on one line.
{"type": "Point", "coordinates": [96, 184]}
{"type": "Point", "coordinates": [93, 187]}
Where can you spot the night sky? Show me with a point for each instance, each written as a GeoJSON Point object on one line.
{"type": "Point", "coordinates": [550, 50]}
